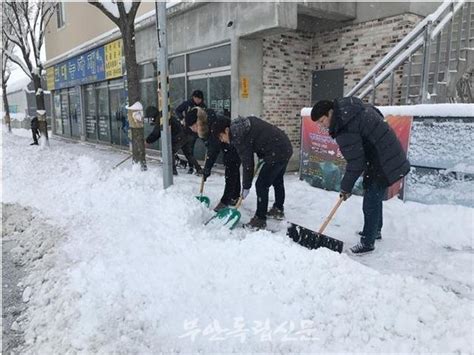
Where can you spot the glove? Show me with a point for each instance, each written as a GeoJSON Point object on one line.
{"type": "Point", "coordinates": [345, 195]}
{"type": "Point", "coordinates": [245, 193]}
{"type": "Point", "coordinates": [205, 174]}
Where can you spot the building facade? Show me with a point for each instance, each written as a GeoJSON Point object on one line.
{"type": "Point", "coordinates": [267, 59]}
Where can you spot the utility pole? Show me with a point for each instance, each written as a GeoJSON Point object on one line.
{"type": "Point", "coordinates": [163, 93]}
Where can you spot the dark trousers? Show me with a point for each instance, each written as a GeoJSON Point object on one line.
{"type": "Point", "coordinates": [189, 154]}
{"type": "Point", "coordinates": [36, 134]}
{"type": "Point", "coordinates": [270, 175]}
{"type": "Point", "coordinates": [232, 182]}
{"type": "Point", "coordinates": [183, 142]}
{"type": "Point", "coordinates": [372, 208]}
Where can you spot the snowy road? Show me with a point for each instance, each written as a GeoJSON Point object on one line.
{"type": "Point", "coordinates": [129, 268]}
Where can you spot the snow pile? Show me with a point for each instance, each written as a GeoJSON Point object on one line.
{"type": "Point", "coordinates": [136, 271]}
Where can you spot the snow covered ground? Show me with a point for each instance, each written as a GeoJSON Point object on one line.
{"type": "Point", "coordinates": [127, 267]}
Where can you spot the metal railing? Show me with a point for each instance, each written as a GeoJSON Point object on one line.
{"type": "Point", "coordinates": [425, 33]}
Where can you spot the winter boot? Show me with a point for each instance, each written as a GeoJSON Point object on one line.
{"type": "Point", "coordinates": [276, 213]}
{"type": "Point", "coordinates": [220, 206]}
{"type": "Point", "coordinates": [378, 237]}
{"type": "Point", "coordinates": [34, 143]}
{"type": "Point", "coordinates": [190, 170]}
{"type": "Point", "coordinates": [256, 223]}
{"type": "Point", "coordinates": [198, 172]}
{"type": "Point", "coordinates": [361, 249]}
{"type": "Point", "coordinates": [175, 171]}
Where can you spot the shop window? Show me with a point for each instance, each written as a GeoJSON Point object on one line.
{"type": "Point", "coordinates": [177, 92]}
{"type": "Point", "coordinates": [148, 94]}
{"type": "Point", "coordinates": [209, 58]}
{"type": "Point", "coordinates": [147, 71]}
{"type": "Point", "coordinates": [176, 65]}
{"type": "Point", "coordinates": [219, 94]}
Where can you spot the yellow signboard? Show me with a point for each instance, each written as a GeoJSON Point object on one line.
{"type": "Point", "coordinates": [244, 87]}
{"type": "Point", "coordinates": [50, 78]}
{"type": "Point", "coordinates": [113, 59]}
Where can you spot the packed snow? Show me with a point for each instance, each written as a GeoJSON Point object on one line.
{"type": "Point", "coordinates": [431, 110]}
{"type": "Point", "coordinates": [127, 267]}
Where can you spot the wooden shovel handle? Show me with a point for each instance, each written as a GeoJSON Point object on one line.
{"type": "Point", "coordinates": [331, 215]}
{"type": "Point", "coordinates": [239, 202]}
{"type": "Point", "coordinates": [201, 189]}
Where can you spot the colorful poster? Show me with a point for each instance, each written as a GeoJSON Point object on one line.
{"type": "Point", "coordinates": [322, 163]}
{"type": "Point", "coordinates": [113, 59]}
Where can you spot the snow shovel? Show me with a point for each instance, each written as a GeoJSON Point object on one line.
{"type": "Point", "coordinates": [228, 216]}
{"type": "Point", "coordinates": [123, 161]}
{"type": "Point", "coordinates": [203, 199]}
{"type": "Point", "coordinates": [314, 240]}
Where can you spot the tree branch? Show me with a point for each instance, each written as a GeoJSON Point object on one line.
{"type": "Point", "coordinates": [105, 12]}
{"type": "Point", "coordinates": [15, 59]}
{"type": "Point", "coordinates": [134, 9]}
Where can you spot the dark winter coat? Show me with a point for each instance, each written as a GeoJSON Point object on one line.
{"type": "Point", "coordinates": [215, 146]}
{"type": "Point", "coordinates": [34, 123]}
{"type": "Point", "coordinates": [177, 132]}
{"type": "Point", "coordinates": [251, 135]}
{"type": "Point", "coordinates": [185, 107]}
{"type": "Point", "coordinates": [367, 143]}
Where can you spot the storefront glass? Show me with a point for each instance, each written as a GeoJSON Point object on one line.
{"type": "Point", "coordinates": [90, 110]}
{"type": "Point", "coordinates": [103, 112]}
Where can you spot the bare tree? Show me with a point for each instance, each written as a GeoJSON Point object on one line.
{"type": "Point", "coordinates": [6, 46]}
{"type": "Point", "coordinates": [123, 15]}
{"type": "Point", "coordinates": [24, 26]}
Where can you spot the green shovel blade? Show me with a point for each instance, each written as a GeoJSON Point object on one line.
{"type": "Point", "coordinates": [228, 217]}
{"type": "Point", "coordinates": [204, 200]}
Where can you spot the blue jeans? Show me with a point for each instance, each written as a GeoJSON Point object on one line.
{"type": "Point", "coordinates": [372, 208]}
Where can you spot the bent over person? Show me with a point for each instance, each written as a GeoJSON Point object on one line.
{"type": "Point", "coordinates": [199, 120]}
{"type": "Point", "coordinates": [370, 146]}
{"type": "Point", "coordinates": [252, 135]}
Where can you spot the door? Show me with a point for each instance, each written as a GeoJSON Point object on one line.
{"type": "Point", "coordinates": [118, 118]}
{"type": "Point", "coordinates": [90, 103]}
{"type": "Point", "coordinates": [65, 113]}
{"type": "Point", "coordinates": [75, 112]}
{"type": "Point", "coordinates": [102, 93]}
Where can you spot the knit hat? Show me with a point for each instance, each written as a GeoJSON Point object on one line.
{"type": "Point", "coordinates": [198, 94]}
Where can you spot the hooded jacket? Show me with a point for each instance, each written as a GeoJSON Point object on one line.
{"type": "Point", "coordinates": [367, 143]}
{"type": "Point", "coordinates": [251, 135]}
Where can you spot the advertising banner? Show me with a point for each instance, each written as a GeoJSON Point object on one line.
{"type": "Point", "coordinates": [322, 163]}
{"type": "Point", "coordinates": [98, 64]}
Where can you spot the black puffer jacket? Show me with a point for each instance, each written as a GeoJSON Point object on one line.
{"type": "Point", "coordinates": [177, 132]}
{"type": "Point", "coordinates": [368, 144]}
{"type": "Point", "coordinates": [252, 135]}
{"type": "Point", "coordinates": [214, 146]}
{"type": "Point", "coordinates": [185, 107]}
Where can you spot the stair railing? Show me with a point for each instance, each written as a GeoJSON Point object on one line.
{"type": "Point", "coordinates": [422, 35]}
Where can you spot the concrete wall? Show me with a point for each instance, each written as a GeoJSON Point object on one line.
{"type": "Point", "coordinates": [368, 11]}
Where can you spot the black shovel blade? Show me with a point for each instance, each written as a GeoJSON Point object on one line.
{"type": "Point", "coordinates": [313, 240]}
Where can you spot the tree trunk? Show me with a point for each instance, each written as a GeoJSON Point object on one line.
{"type": "Point", "coordinates": [138, 141]}
{"type": "Point", "coordinates": [6, 109]}
{"type": "Point", "coordinates": [40, 105]}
